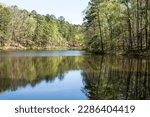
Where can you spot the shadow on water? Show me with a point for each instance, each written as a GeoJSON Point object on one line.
{"type": "Point", "coordinates": [103, 77]}
{"type": "Point", "coordinates": [112, 77]}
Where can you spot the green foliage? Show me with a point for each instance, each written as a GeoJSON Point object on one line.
{"type": "Point", "coordinates": [4, 25]}
{"type": "Point", "coordinates": [124, 24]}
{"type": "Point", "coordinates": [33, 30]}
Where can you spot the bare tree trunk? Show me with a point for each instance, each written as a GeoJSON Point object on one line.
{"type": "Point", "coordinates": [129, 28]}
{"type": "Point", "coordinates": [141, 27]}
{"type": "Point", "coordinates": [110, 31]}
{"type": "Point", "coordinates": [146, 23]}
{"type": "Point", "coordinates": [137, 24]}
{"type": "Point", "coordinates": [100, 33]}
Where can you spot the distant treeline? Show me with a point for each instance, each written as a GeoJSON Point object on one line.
{"type": "Point", "coordinates": [117, 25]}
{"type": "Point", "coordinates": [109, 25]}
{"type": "Point", "coordinates": [23, 29]}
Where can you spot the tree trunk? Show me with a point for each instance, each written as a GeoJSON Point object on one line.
{"type": "Point", "coordinates": [141, 27]}
{"type": "Point", "coordinates": [146, 23]}
{"type": "Point", "coordinates": [100, 33]}
{"type": "Point", "coordinates": [110, 31]}
{"type": "Point", "coordinates": [129, 28]}
{"type": "Point", "coordinates": [137, 24]}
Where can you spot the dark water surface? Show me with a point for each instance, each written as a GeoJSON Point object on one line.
{"type": "Point", "coordinates": [72, 75]}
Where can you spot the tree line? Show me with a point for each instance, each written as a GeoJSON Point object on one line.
{"type": "Point", "coordinates": [117, 25]}
{"type": "Point", "coordinates": [109, 25]}
{"type": "Point", "coordinates": [24, 29]}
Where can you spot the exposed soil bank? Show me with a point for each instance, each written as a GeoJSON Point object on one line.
{"type": "Point", "coordinates": [50, 47]}
{"type": "Point", "coordinates": [40, 48]}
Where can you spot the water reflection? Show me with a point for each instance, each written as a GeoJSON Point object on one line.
{"type": "Point", "coordinates": [111, 77]}
{"type": "Point", "coordinates": [78, 77]}
{"type": "Point", "coordinates": [20, 71]}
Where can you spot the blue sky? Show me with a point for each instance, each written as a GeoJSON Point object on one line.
{"type": "Point", "coordinates": [70, 9]}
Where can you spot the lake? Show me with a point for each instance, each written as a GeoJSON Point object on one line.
{"type": "Point", "coordinates": [72, 75]}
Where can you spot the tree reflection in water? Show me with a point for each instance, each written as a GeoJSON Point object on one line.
{"type": "Point", "coordinates": [112, 77]}
{"type": "Point", "coordinates": [20, 71]}
{"type": "Point", "coordinates": [104, 77]}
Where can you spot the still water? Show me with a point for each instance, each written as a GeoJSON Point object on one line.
{"type": "Point", "coordinates": [72, 75]}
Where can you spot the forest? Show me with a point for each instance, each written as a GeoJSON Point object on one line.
{"type": "Point", "coordinates": [118, 26]}
{"type": "Point", "coordinates": [109, 26]}
{"type": "Point", "coordinates": [20, 29]}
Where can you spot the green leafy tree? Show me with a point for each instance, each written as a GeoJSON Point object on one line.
{"type": "Point", "coordinates": [4, 25]}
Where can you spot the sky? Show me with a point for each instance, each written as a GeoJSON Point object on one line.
{"type": "Point", "coordinates": [70, 9]}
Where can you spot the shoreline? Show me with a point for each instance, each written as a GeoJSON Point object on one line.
{"type": "Point", "coordinates": [38, 48]}
{"type": "Point", "coordinates": [129, 53]}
